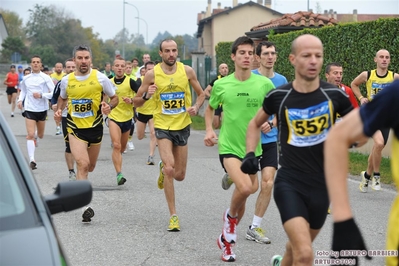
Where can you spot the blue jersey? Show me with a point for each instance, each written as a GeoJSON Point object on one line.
{"type": "Point", "coordinates": [277, 80]}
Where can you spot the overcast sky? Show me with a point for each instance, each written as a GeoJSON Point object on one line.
{"type": "Point", "coordinates": [176, 16]}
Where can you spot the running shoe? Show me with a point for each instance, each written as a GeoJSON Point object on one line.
{"type": "Point", "coordinates": [130, 145]}
{"type": "Point", "coordinates": [161, 175]}
{"type": "Point", "coordinates": [174, 224]}
{"type": "Point", "coordinates": [227, 251]}
{"type": "Point", "coordinates": [364, 184]}
{"type": "Point", "coordinates": [88, 213]}
{"type": "Point", "coordinates": [72, 176]}
{"type": "Point", "coordinates": [32, 165]}
{"type": "Point", "coordinates": [375, 183]}
{"type": "Point", "coordinates": [257, 234]}
{"type": "Point", "coordinates": [150, 160]}
{"type": "Point", "coordinates": [229, 228]}
{"type": "Point", "coordinates": [276, 260]}
{"type": "Point", "coordinates": [58, 131]}
{"type": "Point", "coordinates": [12, 114]}
{"type": "Point", "coordinates": [226, 181]}
{"type": "Point", "coordinates": [120, 179]}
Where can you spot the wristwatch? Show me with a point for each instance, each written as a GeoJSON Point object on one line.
{"type": "Point", "coordinates": [144, 98]}
{"type": "Point", "coordinates": [111, 106]}
{"type": "Point", "coordinates": [270, 124]}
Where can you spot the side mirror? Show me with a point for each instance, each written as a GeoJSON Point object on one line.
{"type": "Point", "coordinates": [69, 195]}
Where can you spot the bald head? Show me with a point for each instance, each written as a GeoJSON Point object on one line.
{"type": "Point", "coordinates": [382, 52]}
{"type": "Point", "coordinates": [304, 40]}
{"type": "Point", "coordinates": [382, 59]}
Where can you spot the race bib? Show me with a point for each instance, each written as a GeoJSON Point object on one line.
{"type": "Point", "coordinates": [376, 88]}
{"type": "Point", "coordinates": [309, 126]}
{"type": "Point", "coordinates": [173, 103]}
{"type": "Point", "coordinates": [82, 108]}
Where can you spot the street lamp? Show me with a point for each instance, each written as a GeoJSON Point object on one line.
{"type": "Point", "coordinates": [138, 25]}
{"type": "Point", "coordinates": [146, 27]}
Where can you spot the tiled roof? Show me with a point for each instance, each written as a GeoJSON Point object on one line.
{"type": "Point", "coordinates": [362, 17]}
{"type": "Point", "coordinates": [299, 19]}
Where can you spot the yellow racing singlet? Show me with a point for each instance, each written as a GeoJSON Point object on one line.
{"type": "Point", "coordinates": [393, 221]}
{"type": "Point", "coordinates": [84, 100]}
{"type": "Point", "coordinates": [376, 83]}
{"type": "Point", "coordinates": [172, 99]}
{"type": "Point", "coordinates": [123, 111]}
{"type": "Point", "coordinates": [57, 76]}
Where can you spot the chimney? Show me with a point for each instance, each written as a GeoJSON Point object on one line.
{"type": "Point", "coordinates": [209, 8]}
{"type": "Point", "coordinates": [219, 5]}
{"type": "Point", "coordinates": [235, 3]}
{"type": "Point", "coordinates": [268, 3]}
{"type": "Point", "coordinates": [335, 15]}
{"type": "Point", "coordinates": [330, 13]}
{"type": "Point", "coordinates": [355, 15]}
{"type": "Point", "coordinates": [325, 12]}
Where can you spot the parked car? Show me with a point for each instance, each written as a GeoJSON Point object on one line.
{"type": "Point", "coordinates": [27, 233]}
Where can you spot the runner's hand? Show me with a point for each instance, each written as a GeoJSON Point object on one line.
{"type": "Point", "coordinates": [347, 236]}
{"type": "Point", "coordinates": [250, 164]}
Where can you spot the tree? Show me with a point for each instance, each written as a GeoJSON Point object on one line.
{"type": "Point", "coordinates": [10, 46]}
{"type": "Point", "coordinates": [13, 23]}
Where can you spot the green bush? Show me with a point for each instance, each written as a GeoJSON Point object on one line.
{"type": "Point", "coordinates": [353, 45]}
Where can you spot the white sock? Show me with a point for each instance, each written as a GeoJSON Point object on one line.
{"type": "Point", "coordinates": [30, 144]}
{"type": "Point", "coordinates": [256, 221]}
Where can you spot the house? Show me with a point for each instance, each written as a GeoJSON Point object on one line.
{"type": "Point", "coordinates": [290, 22]}
{"type": "Point", "coordinates": [3, 30]}
{"type": "Point", "coordinates": [308, 19]}
{"type": "Point", "coordinates": [228, 23]}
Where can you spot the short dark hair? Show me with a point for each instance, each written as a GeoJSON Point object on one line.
{"type": "Point", "coordinates": [264, 43]}
{"type": "Point", "coordinates": [135, 58]}
{"type": "Point", "coordinates": [12, 66]}
{"type": "Point", "coordinates": [328, 66]}
{"type": "Point", "coordinates": [240, 41]}
{"type": "Point", "coordinates": [148, 63]}
{"type": "Point", "coordinates": [80, 48]}
{"type": "Point", "coordinates": [35, 56]}
{"type": "Point", "coordinates": [69, 60]}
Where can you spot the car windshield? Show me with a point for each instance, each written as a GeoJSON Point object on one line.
{"type": "Point", "coordinates": [16, 207]}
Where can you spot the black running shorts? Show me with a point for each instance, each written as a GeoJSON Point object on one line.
{"type": "Point", "coordinates": [299, 194]}
{"type": "Point", "coordinates": [177, 137]}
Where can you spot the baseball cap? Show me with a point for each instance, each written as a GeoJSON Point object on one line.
{"type": "Point", "coordinates": [20, 66]}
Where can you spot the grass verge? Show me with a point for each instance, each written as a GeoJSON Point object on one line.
{"type": "Point", "coordinates": [358, 163]}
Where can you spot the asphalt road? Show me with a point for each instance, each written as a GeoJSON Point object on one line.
{"type": "Point", "coordinates": [129, 226]}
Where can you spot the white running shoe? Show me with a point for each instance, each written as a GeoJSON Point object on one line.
{"type": "Point", "coordinates": [130, 145]}
{"type": "Point", "coordinates": [58, 130]}
{"type": "Point", "coordinates": [364, 183]}
{"type": "Point", "coordinates": [229, 228]}
{"type": "Point", "coordinates": [226, 181]}
{"type": "Point", "coordinates": [375, 183]}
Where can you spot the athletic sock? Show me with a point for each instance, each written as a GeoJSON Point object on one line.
{"type": "Point", "coordinates": [376, 174]}
{"type": "Point", "coordinates": [72, 170]}
{"type": "Point", "coordinates": [367, 176]}
{"type": "Point", "coordinates": [256, 221]}
{"type": "Point", "coordinates": [30, 145]}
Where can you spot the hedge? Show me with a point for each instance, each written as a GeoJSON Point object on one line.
{"type": "Point", "coordinates": [353, 45]}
